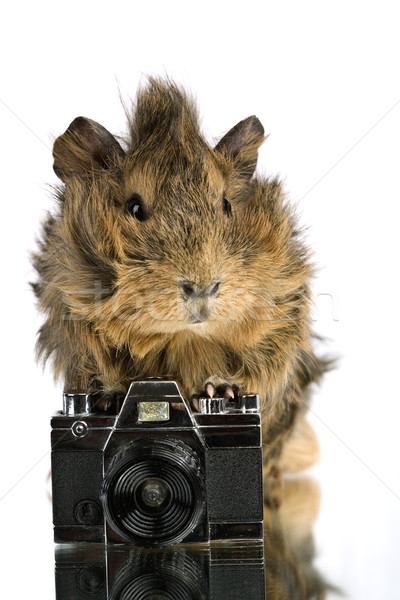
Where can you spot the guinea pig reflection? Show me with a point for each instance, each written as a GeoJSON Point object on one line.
{"type": "Point", "coordinates": [289, 545]}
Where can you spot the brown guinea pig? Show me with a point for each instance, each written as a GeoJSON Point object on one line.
{"type": "Point", "coordinates": [168, 257]}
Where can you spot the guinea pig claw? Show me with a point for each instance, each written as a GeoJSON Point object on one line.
{"type": "Point", "coordinates": [210, 389]}
{"type": "Point", "coordinates": [228, 391]}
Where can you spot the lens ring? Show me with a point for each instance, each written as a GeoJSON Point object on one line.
{"type": "Point", "coordinates": [176, 468]}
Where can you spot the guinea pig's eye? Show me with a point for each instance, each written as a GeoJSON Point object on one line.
{"type": "Point", "coordinates": [227, 206]}
{"type": "Point", "coordinates": [135, 207]}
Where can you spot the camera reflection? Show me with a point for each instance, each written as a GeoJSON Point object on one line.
{"type": "Point", "coordinates": [194, 572]}
{"type": "Point", "coordinates": [279, 568]}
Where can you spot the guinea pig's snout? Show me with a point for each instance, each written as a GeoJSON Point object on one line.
{"type": "Point", "coordinates": [199, 299]}
{"type": "Point", "coordinates": [192, 290]}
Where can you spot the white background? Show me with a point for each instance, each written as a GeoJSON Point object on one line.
{"type": "Point", "coordinates": [323, 77]}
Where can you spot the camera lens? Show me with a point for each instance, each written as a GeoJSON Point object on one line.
{"type": "Point", "coordinates": [153, 494]}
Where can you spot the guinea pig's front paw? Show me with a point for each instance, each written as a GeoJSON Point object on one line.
{"type": "Point", "coordinates": [101, 400]}
{"type": "Point", "coordinates": [215, 387]}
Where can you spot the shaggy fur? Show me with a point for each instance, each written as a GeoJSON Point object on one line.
{"type": "Point", "coordinates": [147, 270]}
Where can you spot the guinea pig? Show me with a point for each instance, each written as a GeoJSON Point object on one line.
{"type": "Point", "coordinates": [168, 257]}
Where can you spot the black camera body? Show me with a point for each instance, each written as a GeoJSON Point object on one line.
{"type": "Point", "coordinates": [156, 472]}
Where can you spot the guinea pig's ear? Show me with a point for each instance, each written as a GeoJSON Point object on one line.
{"type": "Point", "coordinates": [83, 148]}
{"type": "Point", "coordinates": [241, 145]}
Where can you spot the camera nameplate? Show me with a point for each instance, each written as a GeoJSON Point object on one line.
{"type": "Point", "coordinates": [153, 411]}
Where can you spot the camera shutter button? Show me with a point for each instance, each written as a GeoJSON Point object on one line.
{"type": "Point", "coordinates": [212, 406]}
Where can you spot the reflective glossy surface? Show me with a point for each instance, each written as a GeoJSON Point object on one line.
{"type": "Point", "coordinates": [195, 572]}
{"type": "Point", "coordinates": [279, 568]}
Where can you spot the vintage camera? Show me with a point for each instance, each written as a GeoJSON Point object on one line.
{"type": "Point", "coordinates": [219, 571]}
{"type": "Point", "coordinates": [155, 472]}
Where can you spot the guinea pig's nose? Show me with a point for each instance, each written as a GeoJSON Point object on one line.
{"type": "Point", "coordinates": [213, 288]}
{"type": "Point", "coordinates": [191, 290]}
{"type": "Point", "coordinates": [188, 289]}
